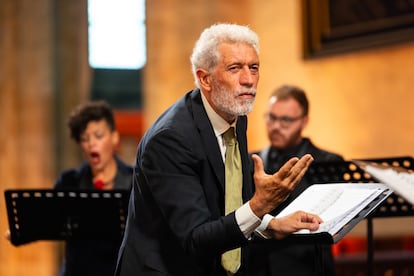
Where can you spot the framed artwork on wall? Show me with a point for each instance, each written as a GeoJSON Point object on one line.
{"type": "Point", "coordinates": [337, 26]}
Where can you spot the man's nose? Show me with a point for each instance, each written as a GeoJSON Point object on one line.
{"type": "Point", "coordinates": [246, 77]}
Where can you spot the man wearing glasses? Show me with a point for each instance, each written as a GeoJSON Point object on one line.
{"type": "Point", "coordinates": [286, 117]}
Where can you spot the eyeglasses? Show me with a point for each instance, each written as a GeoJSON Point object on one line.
{"type": "Point", "coordinates": [285, 121]}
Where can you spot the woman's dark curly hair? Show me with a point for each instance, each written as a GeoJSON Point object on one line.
{"type": "Point", "coordinates": [87, 112]}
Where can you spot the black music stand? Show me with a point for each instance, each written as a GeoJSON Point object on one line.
{"type": "Point", "coordinates": [348, 171]}
{"type": "Point", "coordinates": [65, 214]}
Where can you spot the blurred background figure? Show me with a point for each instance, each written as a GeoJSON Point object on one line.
{"type": "Point", "coordinates": [92, 126]}
{"type": "Point", "coordinates": [286, 118]}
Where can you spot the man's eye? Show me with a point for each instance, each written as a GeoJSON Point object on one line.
{"type": "Point", "coordinates": [286, 119]}
{"type": "Point", "coordinates": [254, 68]}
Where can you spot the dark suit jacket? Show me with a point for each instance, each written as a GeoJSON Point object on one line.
{"type": "Point", "coordinates": [270, 258]}
{"type": "Point", "coordinates": [91, 257]}
{"type": "Point", "coordinates": [176, 223]}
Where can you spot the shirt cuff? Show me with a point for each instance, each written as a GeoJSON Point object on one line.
{"type": "Point", "coordinates": [261, 229]}
{"type": "Point", "coordinates": [247, 220]}
{"type": "Point", "coordinates": [265, 222]}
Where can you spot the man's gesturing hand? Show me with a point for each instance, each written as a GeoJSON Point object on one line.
{"type": "Point", "coordinates": [271, 190]}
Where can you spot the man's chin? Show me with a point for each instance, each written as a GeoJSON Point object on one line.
{"type": "Point", "coordinates": [278, 146]}
{"type": "Point", "coordinates": [246, 109]}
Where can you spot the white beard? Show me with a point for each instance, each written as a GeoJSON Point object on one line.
{"type": "Point", "coordinates": [227, 102]}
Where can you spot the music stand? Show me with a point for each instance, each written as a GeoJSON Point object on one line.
{"type": "Point", "coordinates": [65, 214]}
{"type": "Point", "coordinates": [327, 238]}
{"type": "Point", "coordinates": [347, 171]}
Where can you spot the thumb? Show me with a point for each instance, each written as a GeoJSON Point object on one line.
{"type": "Point", "coordinates": [258, 164]}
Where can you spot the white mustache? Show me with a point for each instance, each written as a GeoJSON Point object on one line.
{"type": "Point", "coordinates": [250, 91]}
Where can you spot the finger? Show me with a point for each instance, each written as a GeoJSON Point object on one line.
{"type": "Point", "coordinates": [304, 161]}
{"type": "Point", "coordinates": [308, 221]}
{"type": "Point", "coordinates": [307, 217]}
{"type": "Point", "coordinates": [300, 168]}
{"type": "Point", "coordinates": [312, 226]}
{"type": "Point", "coordinates": [308, 159]}
{"type": "Point", "coordinates": [285, 170]}
{"type": "Point", "coordinates": [298, 175]}
{"type": "Point", "coordinates": [258, 164]}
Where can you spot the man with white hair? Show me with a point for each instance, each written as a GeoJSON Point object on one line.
{"type": "Point", "coordinates": [179, 221]}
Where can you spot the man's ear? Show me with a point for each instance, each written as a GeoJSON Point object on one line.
{"type": "Point", "coordinates": [305, 121]}
{"type": "Point", "coordinates": [204, 78]}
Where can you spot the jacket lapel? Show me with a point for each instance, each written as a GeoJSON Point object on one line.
{"type": "Point", "coordinates": [242, 140]}
{"type": "Point", "coordinates": [207, 136]}
{"type": "Point", "coordinates": [212, 148]}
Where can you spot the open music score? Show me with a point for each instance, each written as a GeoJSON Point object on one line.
{"type": "Point", "coordinates": [340, 205]}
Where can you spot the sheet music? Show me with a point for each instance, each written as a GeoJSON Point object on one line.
{"type": "Point", "coordinates": [401, 181]}
{"type": "Point", "coordinates": [335, 203]}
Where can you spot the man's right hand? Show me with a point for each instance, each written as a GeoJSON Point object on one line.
{"type": "Point", "coordinates": [271, 190]}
